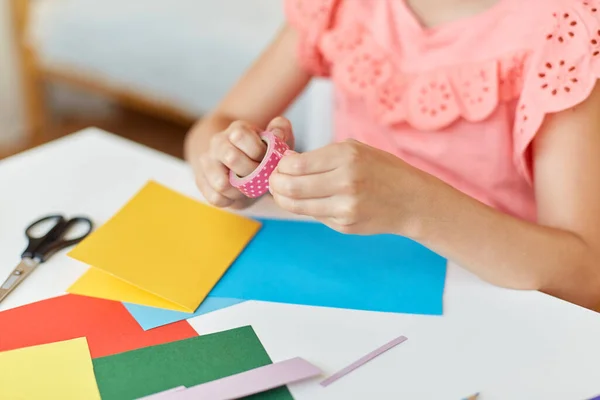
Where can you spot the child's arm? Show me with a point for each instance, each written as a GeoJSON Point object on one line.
{"type": "Point", "coordinates": [227, 138]}
{"type": "Point", "coordinates": [561, 255]}
{"type": "Point", "coordinates": [355, 188]}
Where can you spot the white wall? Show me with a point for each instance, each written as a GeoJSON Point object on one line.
{"type": "Point", "coordinates": [11, 110]}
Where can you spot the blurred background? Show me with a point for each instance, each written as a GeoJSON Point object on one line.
{"type": "Point", "coordinates": [142, 69]}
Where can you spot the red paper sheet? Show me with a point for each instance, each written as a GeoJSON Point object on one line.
{"type": "Point", "coordinates": [109, 328]}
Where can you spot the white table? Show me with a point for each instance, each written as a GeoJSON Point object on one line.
{"type": "Point", "coordinates": [505, 344]}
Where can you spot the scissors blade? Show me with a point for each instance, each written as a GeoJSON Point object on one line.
{"type": "Point", "coordinates": [18, 275]}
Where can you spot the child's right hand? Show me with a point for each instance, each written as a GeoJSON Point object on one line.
{"type": "Point", "coordinates": [239, 149]}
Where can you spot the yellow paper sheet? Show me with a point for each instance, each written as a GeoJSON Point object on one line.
{"type": "Point", "coordinates": [97, 283]}
{"type": "Point", "coordinates": [61, 370]}
{"type": "Point", "coordinates": [162, 249]}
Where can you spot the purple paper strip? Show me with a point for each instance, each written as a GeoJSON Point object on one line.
{"type": "Point", "coordinates": [256, 380]}
{"type": "Point", "coordinates": [596, 398]}
{"type": "Point", "coordinates": [162, 395]}
{"type": "Point", "coordinates": [363, 360]}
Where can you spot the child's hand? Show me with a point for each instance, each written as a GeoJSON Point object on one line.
{"type": "Point", "coordinates": [350, 187]}
{"type": "Point", "coordinates": [239, 149]}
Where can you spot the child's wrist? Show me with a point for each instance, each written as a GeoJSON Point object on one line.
{"type": "Point", "coordinates": [423, 208]}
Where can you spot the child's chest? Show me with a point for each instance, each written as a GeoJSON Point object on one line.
{"type": "Point", "coordinates": [433, 13]}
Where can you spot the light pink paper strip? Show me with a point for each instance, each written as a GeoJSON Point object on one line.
{"type": "Point", "coordinates": [256, 380]}
{"type": "Point", "coordinates": [363, 360]}
{"type": "Point", "coordinates": [162, 395]}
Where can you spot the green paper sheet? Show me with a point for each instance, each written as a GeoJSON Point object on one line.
{"type": "Point", "coordinates": [188, 362]}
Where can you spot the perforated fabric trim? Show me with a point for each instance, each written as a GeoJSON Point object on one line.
{"type": "Point", "coordinates": [563, 72]}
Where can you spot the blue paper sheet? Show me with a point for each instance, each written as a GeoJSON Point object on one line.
{"type": "Point", "coordinates": [150, 317]}
{"type": "Point", "coordinates": [311, 264]}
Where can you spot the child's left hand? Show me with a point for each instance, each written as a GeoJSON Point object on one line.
{"type": "Point", "coordinates": [351, 187]}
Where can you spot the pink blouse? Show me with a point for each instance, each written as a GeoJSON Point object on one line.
{"type": "Point", "coordinates": [461, 101]}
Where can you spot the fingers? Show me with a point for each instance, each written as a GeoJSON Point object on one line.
{"type": "Point", "coordinates": [238, 149]}
{"type": "Point", "coordinates": [241, 150]}
{"type": "Point", "coordinates": [236, 160]}
{"type": "Point", "coordinates": [305, 186]}
{"type": "Point", "coordinates": [212, 178]}
{"type": "Point", "coordinates": [318, 208]}
{"type": "Point", "coordinates": [217, 199]}
{"type": "Point", "coordinates": [348, 228]}
{"type": "Point", "coordinates": [225, 152]}
{"type": "Point", "coordinates": [247, 139]}
{"type": "Point", "coordinates": [211, 195]}
{"type": "Point", "coordinates": [318, 161]}
{"type": "Point", "coordinates": [338, 211]}
{"type": "Point", "coordinates": [282, 128]}
{"type": "Point", "coordinates": [217, 176]}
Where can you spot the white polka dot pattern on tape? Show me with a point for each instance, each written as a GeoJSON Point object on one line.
{"type": "Point", "coordinates": [257, 183]}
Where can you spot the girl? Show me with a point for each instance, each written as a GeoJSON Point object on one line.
{"type": "Point", "coordinates": [470, 126]}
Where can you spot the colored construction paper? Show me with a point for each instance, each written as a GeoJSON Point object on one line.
{"type": "Point", "coordinates": [108, 326]}
{"type": "Point", "coordinates": [186, 363]}
{"type": "Point", "coordinates": [363, 360]}
{"type": "Point", "coordinates": [168, 245]}
{"type": "Point", "coordinates": [251, 382]}
{"type": "Point", "coordinates": [61, 370]}
{"type": "Point", "coordinates": [99, 284]}
{"type": "Point", "coordinates": [162, 395]}
{"type": "Point", "coordinates": [151, 317]}
{"type": "Point", "coordinates": [311, 264]}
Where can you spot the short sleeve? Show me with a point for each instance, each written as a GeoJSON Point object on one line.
{"type": "Point", "coordinates": [311, 18]}
{"type": "Point", "coordinates": [561, 72]}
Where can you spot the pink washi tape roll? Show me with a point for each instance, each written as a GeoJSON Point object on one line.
{"type": "Point", "coordinates": [257, 183]}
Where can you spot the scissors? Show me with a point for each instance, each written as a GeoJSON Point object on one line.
{"type": "Point", "coordinates": [43, 246]}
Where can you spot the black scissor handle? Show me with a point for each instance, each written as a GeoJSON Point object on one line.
{"type": "Point", "coordinates": [35, 241]}
{"type": "Point", "coordinates": [71, 224]}
{"type": "Point", "coordinates": [44, 246]}
{"type": "Point", "coordinates": [58, 219]}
